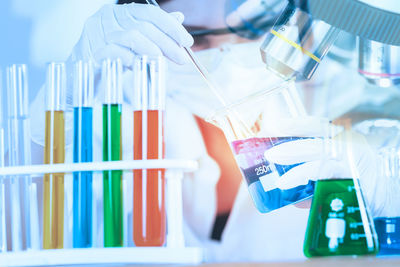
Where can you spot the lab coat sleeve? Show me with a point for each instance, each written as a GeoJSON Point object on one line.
{"type": "Point", "coordinates": [251, 236]}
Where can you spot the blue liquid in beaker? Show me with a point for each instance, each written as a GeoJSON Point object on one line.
{"type": "Point", "coordinates": [82, 185]}
{"type": "Point", "coordinates": [388, 230]}
{"type": "Point", "coordinates": [261, 176]}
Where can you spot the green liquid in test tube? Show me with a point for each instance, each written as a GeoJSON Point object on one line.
{"type": "Point", "coordinates": [112, 150]}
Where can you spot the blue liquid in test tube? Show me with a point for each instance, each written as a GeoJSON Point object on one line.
{"type": "Point", "coordinates": [83, 152]}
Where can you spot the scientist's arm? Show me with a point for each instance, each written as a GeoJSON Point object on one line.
{"type": "Point", "coordinates": [121, 31]}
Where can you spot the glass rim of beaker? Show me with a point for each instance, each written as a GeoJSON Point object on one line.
{"type": "Point", "coordinates": [262, 93]}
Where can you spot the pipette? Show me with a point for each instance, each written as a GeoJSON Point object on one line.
{"type": "Point", "coordinates": [200, 68]}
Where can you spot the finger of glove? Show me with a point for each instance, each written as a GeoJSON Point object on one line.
{"type": "Point", "coordinates": [114, 51]}
{"type": "Point", "coordinates": [167, 23]}
{"type": "Point", "coordinates": [178, 16]}
{"type": "Point", "coordinates": [314, 170]}
{"type": "Point", "coordinates": [297, 151]}
{"type": "Point", "coordinates": [135, 41]}
{"type": "Point", "coordinates": [108, 19]}
{"type": "Point", "coordinates": [169, 47]}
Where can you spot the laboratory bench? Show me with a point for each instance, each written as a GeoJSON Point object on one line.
{"type": "Point", "coordinates": [325, 262]}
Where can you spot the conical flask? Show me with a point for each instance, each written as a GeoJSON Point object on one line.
{"type": "Point", "coordinates": [387, 223]}
{"type": "Point", "coordinates": [339, 222]}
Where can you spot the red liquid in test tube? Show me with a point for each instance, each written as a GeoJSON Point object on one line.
{"type": "Point", "coordinates": [149, 211]}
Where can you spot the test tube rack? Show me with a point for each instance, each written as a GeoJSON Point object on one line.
{"type": "Point", "coordinates": [174, 252]}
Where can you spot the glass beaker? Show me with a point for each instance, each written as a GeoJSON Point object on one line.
{"type": "Point", "coordinates": [112, 150]}
{"type": "Point", "coordinates": [54, 152]}
{"type": "Point", "coordinates": [257, 123]}
{"type": "Point", "coordinates": [149, 216]}
{"type": "Point", "coordinates": [83, 152]}
{"type": "Point", "coordinates": [387, 225]}
{"type": "Point", "coordinates": [339, 222]}
{"type": "Point", "coordinates": [296, 44]}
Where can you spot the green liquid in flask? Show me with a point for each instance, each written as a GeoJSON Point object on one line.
{"type": "Point", "coordinates": [337, 225]}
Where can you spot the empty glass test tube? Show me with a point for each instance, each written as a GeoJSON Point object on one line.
{"type": "Point", "coordinates": [54, 152]}
{"type": "Point", "coordinates": [3, 233]}
{"type": "Point", "coordinates": [112, 150]}
{"type": "Point", "coordinates": [83, 152]}
{"type": "Point", "coordinates": [24, 231]}
{"type": "Point", "coordinates": [149, 218]}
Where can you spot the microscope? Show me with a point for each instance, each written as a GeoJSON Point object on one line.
{"type": "Point", "coordinates": [299, 33]}
{"type": "Point", "coordinates": [304, 31]}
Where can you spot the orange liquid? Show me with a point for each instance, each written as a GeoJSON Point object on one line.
{"type": "Point", "coordinates": [149, 219]}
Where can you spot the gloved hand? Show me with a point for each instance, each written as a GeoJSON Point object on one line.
{"type": "Point", "coordinates": [121, 31]}
{"type": "Point", "coordinates": [328, 157]}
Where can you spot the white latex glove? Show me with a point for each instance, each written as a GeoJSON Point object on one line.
{"type": "Point", "coordinates": [320, 163]}
{"type": "Point", "coordinates": [121, 31]}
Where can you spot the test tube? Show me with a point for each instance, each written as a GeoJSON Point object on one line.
{"type": "Point", "coordinates": [19, 155]}
{"type": "Point", "coordinates": [112, 150]}
{"type": "Point", "coordinates": [83, 152]}
{"type": "Point", "coordinates": [54, 152]}
{"type": "Point", "coordinates": [149, 218]}
{"type": "Point", "coordinates": [3, 233]}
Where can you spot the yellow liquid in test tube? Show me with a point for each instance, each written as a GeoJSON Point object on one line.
{"type": "Point", "coordinates": [53, 198]}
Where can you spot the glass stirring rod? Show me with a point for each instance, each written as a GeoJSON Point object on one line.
{"type": "Point", "coordinates": [234, 119]}
{"type": "Point", "coordinates": [200, 68]}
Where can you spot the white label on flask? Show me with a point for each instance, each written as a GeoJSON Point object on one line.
{"type": "Point", "coordinates": [390, 228]}
{"type": "Point", "coordinates": [268, 181]}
